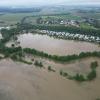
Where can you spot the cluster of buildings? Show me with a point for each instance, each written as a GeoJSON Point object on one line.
{"type": "Point", "coordinates": [77, 22]}
{"type": "Point", "coordinates": [57, 21]}
{"type": "Point", "coordinates": [8, 27]}
{"type": "Point", "coordinates": [76, 36]}
{"type": "Point", "coordinates": [69, 22]}
{"type": "Point", "coordinates": [66, 22]}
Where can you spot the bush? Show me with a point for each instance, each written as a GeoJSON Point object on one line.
{"type": "Point", "coordinates": [38, 64]}
{"type": "Point", "coordinates": [79, 77]}
{"type": "Point", "coordinates": [61, 72]}
{"type": "Point", "coordinates": [94, 65]}
{"type": "Point", "coordinates": [12, 45]}
{"type": "Point", "coordinates": [50, 69]}
{"type": "Point", "coordinates": [92, 75]}
{"type": "Point", "coordinates": [65, 74]}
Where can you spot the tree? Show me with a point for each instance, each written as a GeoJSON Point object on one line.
{"type": "Point", "coordinates": [38, 64]}
{"type": "Point", "coordinates": [12, 45]}
{"type": "Point", "coordinates": [94, 65]}
{"type": "Point", "coordinates": [39, 20]}
{"type": "Point", "coordinates": [50, 69]}
{"type": "Point", "coordinates": [92, 75]}
{"type": "Point", "coordinates": [79, 77]}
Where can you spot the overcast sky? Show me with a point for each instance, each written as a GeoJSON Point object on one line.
{"type": "Point", "coordinates": [43, 2]}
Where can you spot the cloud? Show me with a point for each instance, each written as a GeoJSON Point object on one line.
{"type": "Point", "coordinates": [41, 2]}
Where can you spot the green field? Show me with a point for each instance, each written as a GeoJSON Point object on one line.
{"type": "Point", "coordinates": [13, 18]}
{"type": "Point", "coordinates": [66, 16]}
{"type": "Point", "coordinates": [59, 16]}
{"type": "Point", "coordinates": [90, 15]}
{"type": "Point", "coordinates": [86, 26]}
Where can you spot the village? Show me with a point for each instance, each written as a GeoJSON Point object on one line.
{"type": "Point", "coordinates": [49, 52]}
{"type": "Point", "coordinates": [72, 36]}
{"type": "Point", "coordinates": [65, 35]}
{"type": "Point", "coordinates": [67, 22]}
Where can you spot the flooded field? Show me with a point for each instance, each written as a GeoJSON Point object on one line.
{"type": "Point", "coordinates": [19, 81]}
{"type": "Point", "coordinates": [55, 46]}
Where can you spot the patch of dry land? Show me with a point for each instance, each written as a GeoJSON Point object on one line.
{"type": "Point", "coordinates": [19, 81]}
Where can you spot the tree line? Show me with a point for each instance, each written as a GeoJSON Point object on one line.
{"type": "Point", "coordinates": [61, 58]}
{"type": "Point", "coordinates": [81, 78]}
{"type": "Point", "coordinates": [61, 28]}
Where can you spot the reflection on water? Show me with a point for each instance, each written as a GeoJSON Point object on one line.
{"type": "Point", "coordinates": [55, 46]}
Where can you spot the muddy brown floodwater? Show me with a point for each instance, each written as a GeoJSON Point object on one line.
{"type": "Point", "coordinates": [20, 81]}
{"type": "Point", "coordinates": [55, 46]}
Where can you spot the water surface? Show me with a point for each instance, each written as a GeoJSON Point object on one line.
{"type": "Point", "coordinates": [55, 46]}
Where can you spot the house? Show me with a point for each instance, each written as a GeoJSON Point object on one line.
{"type": "Point", "coordinates": [8, 27]}
{"type": "Point", "coordinates": [0, 36]}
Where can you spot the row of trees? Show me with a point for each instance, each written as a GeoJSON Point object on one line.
{"type": "Point", "coordinates": [16, 53]}
{"type": "Point", "coordinates": [60, 28]}
{"type": "Point", "coordinates": [8, 33]}
{"type": "Point", "coordinates": [81, 78]}
{"type": "Point", "coordinates": [61, 58]}
{"type": "Point", "coordinates": [10, 50]}
{"type": "Point", "coordinates": [92, 75]}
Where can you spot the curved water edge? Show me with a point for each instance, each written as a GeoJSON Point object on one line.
{"type": "Point", "coordinates": [54, 46]}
